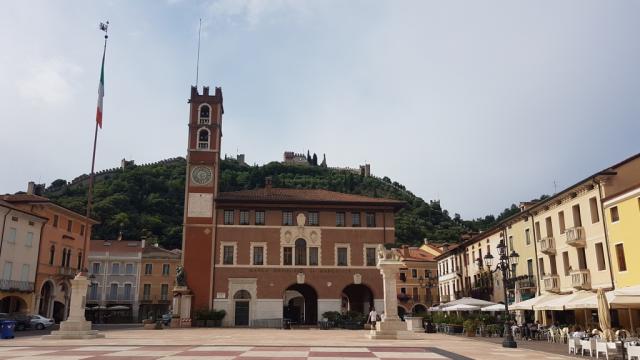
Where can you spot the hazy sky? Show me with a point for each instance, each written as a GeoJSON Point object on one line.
{"type": "Point", "coordinates": [477, 103]}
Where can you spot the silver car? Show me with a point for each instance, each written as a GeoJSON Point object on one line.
{"type": "Point", "coordinates": [40, 322]}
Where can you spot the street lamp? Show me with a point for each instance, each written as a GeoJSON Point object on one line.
{"type": "Point", "coordinates": [427, 285]}
{"type": "Point", "coordinates": [503, 265]}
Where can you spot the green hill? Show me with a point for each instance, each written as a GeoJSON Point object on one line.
{"type": "Point", "coordinates": [148, 200]}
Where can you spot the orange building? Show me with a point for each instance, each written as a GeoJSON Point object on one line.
{"type": "Point", "coordinates": [417, 285]}
{"type": "Point", "coordinates": [157, 279]}
{"type": "Point", "coordinates": [64, 244]}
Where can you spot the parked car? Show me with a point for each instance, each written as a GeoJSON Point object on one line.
{"type": "Point", "coordinates": [23, 321]}
{"type": "Point", "coordinates": [40, 322]}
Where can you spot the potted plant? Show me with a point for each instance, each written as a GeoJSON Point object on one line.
{"type": "Point", "coordinates": [215, 318]}
{"type": "Point", "coordinates": [470, 326]}
{"type": "Point", "coordinates": [201, 317]}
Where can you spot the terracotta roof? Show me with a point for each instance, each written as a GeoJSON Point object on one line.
{"type": "Point", "coordinates": [9, 206]}
{"type": "Point", "coordinates": [282, 195]}
{"type": "Point", "coordinates": [151, 251]}
{"type": "Point", "coordinates": [417, 254]}
{"type": "Point", "coordinates": [29, 198]}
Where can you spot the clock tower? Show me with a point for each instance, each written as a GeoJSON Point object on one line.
{"type": "Point", "coordinates": [201, 189]}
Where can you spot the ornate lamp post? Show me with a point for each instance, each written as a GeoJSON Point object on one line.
{"type": "Point", "coordinates": [503, 265]}
{"type": "Point", "coordinates": [427, 285]}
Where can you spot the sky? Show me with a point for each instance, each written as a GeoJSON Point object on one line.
{"type": "Point", "coordinates": [478, 104]}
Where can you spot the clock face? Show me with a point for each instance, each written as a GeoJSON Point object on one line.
{"type": "Point", "coordinates": [201, 175]}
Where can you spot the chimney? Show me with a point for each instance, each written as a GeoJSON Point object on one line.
{"type": "Point", "coordinates": [31, 187]}
{"type": "Point", "coordinates": [268, 182]}
{"type": "Point", "coordinates": [404, 250]}
{"type": "Point", "coordinates": [425, 241]}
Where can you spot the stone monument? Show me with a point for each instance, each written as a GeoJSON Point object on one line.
{"type": "Point", "coordinates": [391, 326]}
{"type": "Point", "coordinates": [76, 326]}
{"type": "Point", "coordinates": [182, 298]}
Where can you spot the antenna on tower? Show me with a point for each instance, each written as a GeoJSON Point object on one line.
{"type": "Point", "coordinates": [198, 58]}
{"type": "Point", "coordinates": [555, 187]}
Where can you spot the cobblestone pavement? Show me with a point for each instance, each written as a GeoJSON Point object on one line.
{"type": "Point", "coordinates": [259, 344]}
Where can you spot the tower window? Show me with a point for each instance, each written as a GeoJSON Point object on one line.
{"type": "Point", "coordinates": [205, 114]}
{"type": "Point", "coordinates": [203, 139]}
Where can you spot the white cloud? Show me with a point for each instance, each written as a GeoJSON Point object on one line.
{"type": "Point", "coordinates": [50, 82]}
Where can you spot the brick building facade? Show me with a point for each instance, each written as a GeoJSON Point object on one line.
{"type": "Point", "coordinates": [267, 254]}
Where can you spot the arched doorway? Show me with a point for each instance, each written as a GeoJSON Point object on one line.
{"type": "Point", "coordinates": [13, 304]}
{"type": "Point", "coordinates": [401, 312]}
{"type": "Point", "coordinates": [357, 297]}
{"type": "Point", "coordinates": [61, 302]}
{"type": "Point", "coordinates": [241, 299]}
{"type": "Point", "coordinates": [300, 304]}
{"type": "Point", "coordinates": [46, 297]}
{"type": "Point", "coordinates": [419, 309]}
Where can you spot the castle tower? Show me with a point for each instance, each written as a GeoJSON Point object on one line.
{"type": "Point", "coordinates": [201, 188]}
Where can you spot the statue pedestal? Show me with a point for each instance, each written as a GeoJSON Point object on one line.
{"type": "Point", "coordinates": [182, 298]}
{"type": "Point", "coordinates": [391, 327]}
{"type": "Point", "coordinates": [414, 324]}
{"type": "Point", "coordinates": [76, 326]}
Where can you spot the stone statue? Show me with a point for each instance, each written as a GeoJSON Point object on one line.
{"type": "Point", "coordinates": [384, 254]}
{"type": "Point", "coordinates": [180, 276]}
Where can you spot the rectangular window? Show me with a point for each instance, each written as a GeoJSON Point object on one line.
{"type": "Point", "coordinates": [549, 226]}
{"type": "Point", "coordinates": [7, 271]}
{"type": "Point", "coordinates": [11, 239]}
{"type": "Point", "coordinates": [69, 225]}
{"type": "Point", "coordinates": [24, 274]}
{"type": "Point", "coordinates": [115, 268]}
{"type": "Point", "coordinates": [55, 220]}
{"type": "Point", "coordinates": [287, 218]}
{"type": "Point", "coordinates": [93, 294]}
{"type": "Point", "coordinates": [258, 255]}
{"type": "Point", "coordinates": [313, 256]}
{"type": "Point", "coordinates": [165, 269]}
{"type": "Point", "coordinates": [287, 255]}
{"type": "Point", "coordinates": [148, 269]}
{"type": "Point", "coordinates": [527, 236]}
{"type": "Point", "coordinates": [554, 266]}
{"type": "Point", "coordinates": [228, 217]}
{"type": "Point", "coordinates": [95, 268]}
{"type": "Point", "coordinates": [342, 256]}
{"type": "Point", "coordinates": [259, 217]}
{"type": "Point", "coordinates": [127, 291]}
{"type": "Point", "coordinates": [128, 268]}
{"type": "Point", "coordinates": [537, 230]}
{"type": "Point", "coordinates": [371, 219]}
{"type": "Point", "coordinates": [600, 257]}
{"type": "Point", "coordinates": [146, 291]}
{"type": "Point", "coordinates": [593, 206]}
{"type": "Point", "coordinates": [622, 263]}
{"type": "Point", "coordinates": [340, 219]}
{"type": "Point", "coordinates": [244, 217]}
{"type": "Point", "coordinates": [29, 240]}
{"type": "Point", "coordinates": [113, 292]}
{"type": "Point", "coordinates": [541, 266]}
{"type": "Point", "coordinates": [565, 261]}
{"type": "Point", "coordinates": [414, 273]}
{"type": "Point", "coordinates": [81, 230]}
{"type": "Point", "coordinates": [511, 242]}
{"type": "Point", "coordinates": [582, 259]}
{"type": "Point", "coordinates": [355, 219]}
{"type": "Point", "coordinates": [371, 256]}
{"type": "Point", "coordinates": [530, 267]}
{"type": "Point", "coordinates": [614, 214]}
{"type": "Point", "coordinates": [227, 255]}
{"type": "Point", "coordinates": [577, 218]}
{"type": "Point", "coordinates": [313, 218]}
{"type": "Point", "coordinates": [561, 222]}
{"type": "Point", "coordinates": [164, 292]}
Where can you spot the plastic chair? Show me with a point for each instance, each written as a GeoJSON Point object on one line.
{"type": "Point", "coordinates": [574, 346]}
{"type": "Point", "coordinates": [633, 352]}
{"type": "Point", "coordinates": [608, 348]}
{"type": "Point", "coordinates": [588, 345]}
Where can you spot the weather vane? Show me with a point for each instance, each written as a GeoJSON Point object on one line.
{"type": "Point", "coordinates": [104, 26]}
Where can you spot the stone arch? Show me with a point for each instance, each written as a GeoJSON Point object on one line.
{"type": "Point", "coordinates": [12, 304]}
{"type": "Point", "coordinates": [418, 308]}
{"type": "Point", "coordinates": [300, 304]}
{"type": "Point", "coordinates": [47, 295]}
{"type": "Point", "coordinates": [242, 308]}
{"type": "Point", "coordinates": [402, 312]}
{"type": "Point", "coordinates": [357, 297]}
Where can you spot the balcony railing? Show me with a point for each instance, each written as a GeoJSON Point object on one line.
{"type": "Point", "coordinates": [14, 285]}
{"type": "Point", "coordinates": [551, 283]}
{"type": "Point", "coordinates": [547, 245]}
{"type": "Point", "coordinates": [527, 282]}
{"type": "Point", "coordinates": [203, 145]}
{"type": "Point", "coordinates": [581, 279]}
{"type": "Point", "coordinates": [576, 236]}
{"type": "Point", "coordinates": [147, 298]}
{"type": "Point", "coordinates": [66, 271]}
{"type": "Point", "coordinates": [119, 298]}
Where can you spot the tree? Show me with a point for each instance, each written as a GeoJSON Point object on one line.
{"type": "Point", "coordinates": [314, 160]}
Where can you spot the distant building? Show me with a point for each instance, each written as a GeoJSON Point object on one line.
{"type": "Point", "coordinates": [20, 234]}
{"type": "Point", "coordinates": [417, 286]}
{"type": "Point", "coordinates": [292, 158]}
{"type": "Point", "coordinates": [157, 280]}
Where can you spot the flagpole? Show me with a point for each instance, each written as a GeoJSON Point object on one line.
{"type": "Point", "coordinates": [93, 163]}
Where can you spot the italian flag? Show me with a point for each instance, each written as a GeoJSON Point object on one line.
{"type": "Point", "coordinates": [100, 94]}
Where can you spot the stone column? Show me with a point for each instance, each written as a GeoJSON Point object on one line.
{"type": "Point", "coordinates": [76, 326]}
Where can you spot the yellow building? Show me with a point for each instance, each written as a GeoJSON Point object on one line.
{"type": "Point", "coordinates": [622, 213]}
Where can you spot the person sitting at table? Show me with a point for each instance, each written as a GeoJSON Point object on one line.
{"type": "Point", "coordinates": [578, 333]}
{"type": "Point", "coordinates": [533, 330]}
